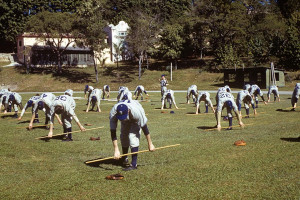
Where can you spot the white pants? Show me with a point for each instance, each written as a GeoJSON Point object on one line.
{"type": "Point", "coordinates": [130, 134]}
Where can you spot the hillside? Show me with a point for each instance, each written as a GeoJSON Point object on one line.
{"type": "Point", "coordinates": [47, 80]}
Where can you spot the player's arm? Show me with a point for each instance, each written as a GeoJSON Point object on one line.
{"type": "Point", "coordinates": [23, 111]}
{"type": "Point", "coordinates": [173, 99]}
{"type": "Point", "coordinates": [35, 110]}
{"type": "Point", "coordinates": [78, 122]}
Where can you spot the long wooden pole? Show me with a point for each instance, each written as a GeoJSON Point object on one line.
{"type": "Point", "coordinates": [127, 154]}
{"type": "Point", "coordinates": [46, 137]}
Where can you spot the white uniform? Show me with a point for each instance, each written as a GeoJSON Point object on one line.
{"type": "Point", "coordinates": [30, 103]}
{"type": "Point", "coordinates": [69, 105]}
{"type": "Point", "coordinates": [241, 98]}
{"type": "Point", "coordinates": [247, 87]}
{"type": "Point", "coordinates": [15, 101]}
{"type": "Point", "coordinates": [47, 99]}
{"type": "Point", "coordinates": [163, 86]}
{"type": "Point", "coordinates": [131, 128]}
{"type": "Point", "coordinates": [226, 88]}
{"type": "Point", "coordinates": [296, 93]}
{"type": "Point", "coordinates": [192, 90]}
{"type": "Point", "coordinates": [4, 100]}
{"type": "Point", "coordinates": [169, 96]}
{"type": "Point", "coordinates": [139, 91]}
{"type": "Point", "coordinates": [223, 97]}
{"type": "Point", "coordinates": [273, 89]}
{"type": "Point", "coordinates": [254, 91]}
{"type": "Point", "coordinates": [124, 94]}
{"type": "Point", "coordinates": [204, 96]}
{"type": "Point", "coordinates": [106, 91]}
{"type": "Point", "coordinates": [96, 93]}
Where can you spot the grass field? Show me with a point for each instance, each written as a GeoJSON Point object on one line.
{"type": "Point", "coordinates": [206, 165]}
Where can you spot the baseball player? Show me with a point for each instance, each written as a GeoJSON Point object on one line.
{"type": "Point", "coordinates": [139, 91]}
{"type": "Point", "coordinates": [88, 89]}
{"type": "Point", "coordinates": [254, 91]}
{"type": "Point", "coordinates": [169, 97]}
{"type": "Point", "coordinates": [244, 96]}
{"type": "Point", "coordinates": [15, 100]}
{"type": "Point", "coordinates": [124, 94]}
{"type": "Point", "coordinates": [204, 96]}
{"type": "Point", "coordinates": [192, 90]}
{"type": "Point", "coordinates": [133, 119]}
{"type": "Point", "coordinates": [226, 88]}
{"type": "Point", "coordinates": [106, 91]}
{"type": "Point", "coordinates": [4, 101]}
{"type": "Point", "coordinates": [64, 105]}
{"type": "Point", "coordinates": [226, 100]}
{"type": "Point", "coordinates": [95, 97]}
{"type": "Point", "coordinates": [30, 103]}
{"type": "Point", "coordinates": [273, 89]}
{"type": "Point", "coordinates": [45, 101]}
{"type": "Point", "coordinates": [163, 84]}
{"type": "Point", "coordinates": [247, 87]}
{"type": "Point", "coordinates": [295, 96]}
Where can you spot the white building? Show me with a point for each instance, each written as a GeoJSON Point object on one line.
{"type": "Point", "coordinates": [116, 38]}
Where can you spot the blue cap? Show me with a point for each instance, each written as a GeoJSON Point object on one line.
{"type": "Point", "coordinates": [125, 97]}
{"type": "Point", "coordinates": [168, 95]}
{"type": "Point", "coordinates": [229, 104]}
{"type": "Point", "coordinates": [162, 75]}
{"type": "Point", "coordinates": [193, 92]}
{"type": "Point", "coordinates": [4, 99]}
{"type": "Point", "coordinates": [172, 112]}
{"type": "Point", "coordinates": [29, 103]}
{"type": "Point", "coordinates": [122, 112]}
{"type": "Point", "coordinates": [40, 105]}
{"type": "Point", "coordinates": [87, 87]}
{"type": "Point", "coordinates": [258, 90]}
{"type": "Point", "coordinates": [11, 97]}
{"type": "Point", "coordinates": [94, 98]}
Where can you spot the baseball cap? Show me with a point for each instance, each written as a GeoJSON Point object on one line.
{"type": "Point", "coordinates": [29, 103]}
{"type": "Point", "coordinates": [11, 97]}
{"type": "Point", "coordinates": [69, 92]}
{"type": "Point", "coordinates": [40, 105]}
{"type": "Point", "coordinates": [87, 87]}
{"type": "Point", "coordinates": [229, 104]}
{"type": "Point", "coordinates": [94, 98]}
{"type": "Point", "coordinates": [122, 111]}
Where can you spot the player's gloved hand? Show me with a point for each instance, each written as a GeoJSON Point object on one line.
{"type": "Point", "coordinates": [117, 155]}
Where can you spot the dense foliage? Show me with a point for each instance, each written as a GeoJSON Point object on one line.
{"type": "Point", "coordinates": [250, 32]}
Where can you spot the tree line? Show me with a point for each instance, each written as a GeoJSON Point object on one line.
{"type": "Point", "coordinates": [232, 32]}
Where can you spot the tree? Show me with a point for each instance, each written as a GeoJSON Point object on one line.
{"type": "Point", "coordinates": [91, 24]}
{"type": "Point", "coordinates": [54, 29]}
{"type": "Point", "coordinates": [142, 36]}
{"type": "Point", "coordinates": [171, 42]}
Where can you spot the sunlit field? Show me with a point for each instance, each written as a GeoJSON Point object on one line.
{"type": "Point", "coordinates": [206, 164]}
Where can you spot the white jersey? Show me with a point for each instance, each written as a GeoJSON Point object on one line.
{"type": "Point", "coordinates": [88, 89]}
{"type": "Point", "coordinates": [247, 87]}
{"type": "Point", "coordinates": [139, 89]}
{"type": "Point", "coordinates": [192, 88]}
{"type": "Point", "coordinates": [255, 90]}
{"type": "Point", "coordinates": [96, 93]}
{"type": "Point", "coordinates": [223, 97]}
{"type": "Point", "coordinates": [136, 116]}
{"type": "Point", "coordinates": [106, 88]}
{"type": "Point", "coordinates": [124, 93]}
{"type": "Point", "coordinates": [273, 89]}
{"type": "Point", "coordinates": [17, 97]}
{"type": "Point", "coordinates": [204, 96]}
{"type": "Point", "coordinates": [296, 93]}
{"type": "Point", "coordinates": [30, 103]}
{"type": "Point", "coordinates": [163, 82]}
{"type": "Point", "coordinates": [241, 98]}
{"type": "Point", "coordinates": [47, 98]}
{"type": "Point", "coordinates": [4, 98]}
{"type": "Point", "coordinates": [67, 103]}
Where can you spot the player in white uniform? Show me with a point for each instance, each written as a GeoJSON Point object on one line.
{"type": "Point", "coordinates": [106, 91]}
{"type": "Point", "coordinates": [273, 89]}
{"type": "Point", "coordinates": [204, 96]}
{"type": "Point", "coordinates": [247, 87]}
{"type": "Point", "coordinates": [4, 101]}
{"type": "Point", "coordinates": [163, 84]}
{"type": "Point", "coordinates": [124, 94]}
{"type": "Point", "coordinates": [226, 100]}
{"type": "Point", "coordinates": [15, 100]}
{"type": "Point", "coordinates": [30, 103]}
{"type": "Point", "coordinates": [95, 97]}
{"type": "Point", "coordinates": [45, 101]}
{"type": "Point", "coordinates": [133, 119]}
{"type": "Point", "coordinates": [192, 90]}
{"type": "Point", "coordinates": [88, 89]}
{"type": "Point", "coordinates": [244, 96]}
{"type": "Point", "coordinates": [168, 96]}
{"type": "Point", "coordinates": [295, 96]}
{"type": "Point", "coordinates": [254, 91]}
{"type": "Point", "coordinates": [139, 91]}
{"type": "Point", "coordinates": [226, 88]}
{"type": "Point", "coordinates": [64, 105]}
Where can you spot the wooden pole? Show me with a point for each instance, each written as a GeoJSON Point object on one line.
{"type": "Point", "coordinates": [171, 72]}
{"type": "Point", "coordinates": [46, 137]}
{"type": "Point", "coordinates": [127, 154]}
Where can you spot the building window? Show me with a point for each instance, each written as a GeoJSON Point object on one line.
{"type": "Point", "coordinates": [20, 43]}
{"type": "Point", "coordinates": [246, 78]}
{"type": "Point", "coordinates": [276, 76]}
{"type": "Point", "coordinates": [258, 77]}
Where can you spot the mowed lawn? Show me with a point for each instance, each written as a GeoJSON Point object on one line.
{"type": "Point", "coordinates": [206, 165]}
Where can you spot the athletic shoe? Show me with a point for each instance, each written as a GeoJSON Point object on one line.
{"type": "Point", "coordinates": [293, 109]}
{"type": "Point", "coordinates": [125, 163]}
{"type": "Point", "coordinates": [67, 140]}
{"type": "Point", "coordinates": [247, 116]}
{"type": "Point", "coordinates": [129, 168]}
{"type": "Point", "coordinates": [228, 129]}
{"type": "Point", "coordinates": [15, 116]}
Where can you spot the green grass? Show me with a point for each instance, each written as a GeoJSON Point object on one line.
{"type": "Point", "coordinates": [205, 166]}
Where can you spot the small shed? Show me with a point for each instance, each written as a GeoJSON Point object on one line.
{"type": "Point", "coordinates": [258, 75]}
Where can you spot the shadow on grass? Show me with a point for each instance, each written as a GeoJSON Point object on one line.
{"type": "Point", "coordinates": [281, 110]}
{"type": "Point", "coordinates": [57, 137]}
{"type": "Point", "coordinates": [7, 116]}
{"type": "Point", "coordinates": [24, 122]}
{"type": "Point", "coordinates": [107, 162]}
{"type": "Point", "coordinates": [291, 139]}
{"type": "Point", "coordinates": [206, 127]}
